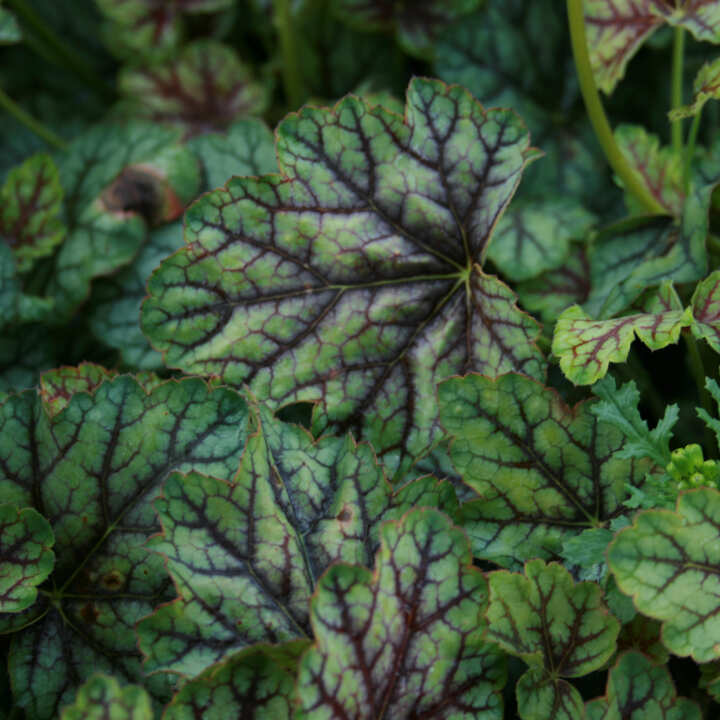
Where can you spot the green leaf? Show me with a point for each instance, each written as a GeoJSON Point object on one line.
{"type": "Point", "coordinates": [552, 292]}
{"type": "Point", "coordinates": [617, 28]}
{"type": "Point", "coordinates": [25, 352]}
{"type": "Point", "coordinates": [102, 698]}
{"type": "Point", "coordinates": [706, 310]}
{"type": "Point", "coordinates": [660, 169]}
{"type": "Point", "coordinates": [534, 236]}
{"type": "Point", "coordinates": [669, 563]}
{"type": "Point", "coordinates": [247, 148]}
{"type": "Point", "coordinates": [639, 690]}
{"type": "Point", "coordinates": [245, 556]}
{"type": "Point", "coordinates": [25, 556]}
{"type": "Point", "coordinates": [643, 253]}
{"type": "Point", "coordinates": [544, 472]}
{"type": "Point", "coordinates": [586, 347]}
{"type": "Point", "coordinates": [353, 278]}
{"type": "Point", "coordinates": [706, 87]}
{"type": "Point", "coordinates": [416, 25]}
{"type": "Point", "coordinates": [150, 28]}
{"type": "Point", "coordinates": [559, 628]}
{"type": "Point", "coordinates": [58, 386]}
{"type": "Point", "coordinates": [406, 640]}
{"type": "Point", "coordinates": [10, 32]}
{"type": "Point", "coordinates": [204, 88]}
{"type": "Point", "coordinates": [619, 407]}
{"type": "Point", "coordinates": [118, 181]}
{"type": "Point", "coordinates": [30, 210]}
{"type": "Point", "coordinates": [254, 684]}
{"type": "Point", "coordinates": [586, 552]}
{"type": "Point", "coordinates": [511, 53]}
{"type": "Point", "coordinates": [93, 470]}
{"type": "Point", "coordinates": [643, 634]}
{"type": "Point", "coordinates": [712, 423]}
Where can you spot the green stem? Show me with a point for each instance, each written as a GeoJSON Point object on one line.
{"type": "Point", "coordinates": [6, 103]}
{"type": "Point", "coordinates": [677, 87]}
{"type": "Point", "coordinates": [698, 370]}
{"type": "Point", "coordinates": [690, 149]}
{"type": "Point", "coordinates": [632, 183]}
{"type": "Point", "coordinates": [65, 55]}
{"type": "Point", "coordinates": [290, 59]}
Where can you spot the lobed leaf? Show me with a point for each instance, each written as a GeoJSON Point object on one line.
{"type": "Point", "coordinates": [619, 407]}
{"type": "Point", "coordinates": [118, 181]}
{"type": "Point", "coordinates": [92, 469]}
{"type": "Point", "coordinates": [204, 88]}
{"type": "Point", "coordinates": [543, 472]}
{"type": "Point", "coordinates": [617, 28]}
{"type": "Point", "coordinates": [354, 277]}
{"type": "Point", "coordinates": [555, 290]}
{"type": "Point", "coordinates": [102, 698]}
{"type": "Point", "coordinates": [558, 627]}
{"type": "Point", "coordinates": [534, 237]}
{"type": "Point", "coordinates": [660, 169]}
{"type": "Point", "coordinates": [705, 305]}
{"type": "Point", "coordinates": [254, 684]}
{"type": "Point", "coordinates": [30, 210]}
{"type": "Point", "coordinates": [706, 87]}
{"type": "Point", "coordinates": [58, 386]}
{"type": "Point", "coordinates": [668, 562]}
{"type": "Point", "coordinates": [150, 28]}
{"type": "Point", "coordinates": [246, 556]}
{"type": "Point", "coordinates": [586, 347]}
{"type": "Point", "coordinates": [26, 558]}
{"type": "Point", "coordinates": [632, 257]}
{"type": "Point", "coordinates": [405, 641]}
{"type": "Point", "coordinates": [639, 690]}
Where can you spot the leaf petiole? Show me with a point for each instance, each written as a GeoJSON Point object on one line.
{"type": "Point", "coordinates": [596, 113]}
{"type": "Point", "coordinates": [690, 149]}
{"type": "Point", "coordinates": [290, 59]}
{"type": "Point", "coordinates": [677, 87]}
{"type": "Point", "coordinates": [24, 118]}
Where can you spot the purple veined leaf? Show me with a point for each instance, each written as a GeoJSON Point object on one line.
{"type": "Point", "coordinates": [245, 556]}
{"type": "Point", "coordinates": [405, 640]}
{"type": "Point", "coordinates": [673, 577]}
{"type": "Point", "coordinates": [555, 290]}
{"type": "Point", "coordinates": [353, 279]}
{"type": "Point", "coordinates": [26, 557]}
{"type": "Point", "coordinates": [92, 469]}
{"type": "Point", "coordinates": [30, 210]}
{"type": "Point", "coordinates": [58, 386]}
{"type": "Point", "coordinates": [202, 89]}
{"type": "Point", "coordinates": [560, 628]}
{"type": "Point", "coordinates": [585, 347]}
{"type": "Point", "coordinates": [102, 698]}
{"type": "Point", "coordinates": [637, 689]}
{"type": "Point", "coordinates": [542, 472]}
{"type": "Point", "coordinates": [659, 168]}
{"type": "Point", "coordinates": [617, 28]}
{"type": "Point", "coordinates": [706, 87]}
{"type": "Point", "coordinates": [706, 310]}
{"type": "Point", "coordinates": [150, 27]}
{"type": "Point", "coordinates": [416, 24]}
{"type": "Point", "coordinates": [631, 257]}
{"type": "Point", "coordinates": [247, 148]}
{"type": "Point", "coordinates": [642, 634]}
{"type": "Point", "coordinates": [119, 181]}
{"type": "Point", "coordinates": [254, 684]}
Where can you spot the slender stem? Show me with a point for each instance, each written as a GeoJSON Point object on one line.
{"type": "Point", "coordinates": [6, 103]}
{"type": "Point", "coordinates": [633, 184]}
{"type": "Point", "coordinates": [677, 87]}
{"type": "Point", "coordinates": [690, 149]}
{"type": "Point", "coordinates": [698, 370]}
{"type": "Point", "coordinates": [290, 60]}
{"type": "Point", "coordinates": [65, 56]}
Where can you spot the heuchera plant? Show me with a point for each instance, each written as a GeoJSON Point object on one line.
{"type": "Point", "coordinates": [352, 364]}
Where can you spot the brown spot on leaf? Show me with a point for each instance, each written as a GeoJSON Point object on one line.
{"type": "Point", "coordinates": [345, 514]}
{"type": "Point", "coordinates": [89, 613]}
{"type": "Point", "coordinates": [112, 580]}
